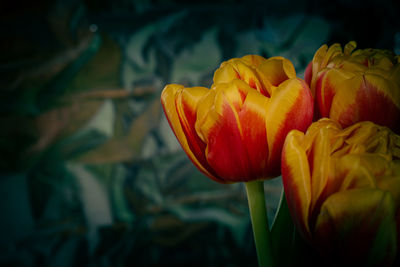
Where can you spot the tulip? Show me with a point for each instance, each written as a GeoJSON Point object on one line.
{"type": "Point", "coordinates": [343, 190]}
{"type": "Point", "coordinates": [356, 85]}
{"type": "Point", "coordinates": [234, 132]}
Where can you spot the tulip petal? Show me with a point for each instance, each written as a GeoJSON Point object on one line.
{"type": "Point", "coordinates": [252, 119]}
{"type": "Point", "coordinates": [322, 58]}
{"type": "Point", "coordinates": [231, 120]}
{"type": "Point", "coordinates": [277, 70]}
{"type": "Point", "coordinates": [373, 139]}
{"type": "Point", "coordinates": [291, 107]}
{"type": "Point", "coordinates": [321, 139]}
{"type": "Point", "coordinates": [321, 168]}
{"type": "Point", "coordinates": [308, 74]}
{"type": "Point", "coordinates": [349, 48]}
{"type": "Point", "coordinates": [254, 60]}
{"type": "Point", "coordinates": [296, 179]}
{"type": "Point", "coordinates": [327, 85]}
{"type": "Point", "coordinates": [180, 106]}
{"type": "Point", "coordinates": [358, 171]}
{"type": "Point", "coordinates": [391, 184]}
{"type": "Point", "coordinates": [238, 68]}
{"type": "Point", "coordinates": [357, 227]}
{"type": "Point", "coordinates": [394, 75]}
{"type": "Point", "coordinates": [366, 98]}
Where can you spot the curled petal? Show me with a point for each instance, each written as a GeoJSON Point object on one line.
{"type": "Point", "coordinates": [349, 48]}
{"type": "Point", "coordinates": [277, 70]}
{"type": "Point", "coordinates": [242, 68]}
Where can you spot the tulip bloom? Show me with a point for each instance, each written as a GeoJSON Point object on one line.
{"type": "Point", "coordinates": [356, 85]}
{"type": "Point", "coordinates": [343, 190]}
{"type": "Point", "coordinates": [234, 132]}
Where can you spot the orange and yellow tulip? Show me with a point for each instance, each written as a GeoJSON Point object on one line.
{"type": "Point", "coordinates": [234, 132]}
{"type": "Point", "coordinates": [356, 85]}
{"type": "Point", "coordinates": [343, 190]}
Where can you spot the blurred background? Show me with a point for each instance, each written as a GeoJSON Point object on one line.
{"type": "Point", "coordinates": [90, 172]}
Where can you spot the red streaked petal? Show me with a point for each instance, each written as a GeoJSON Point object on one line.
{"type": "Point", "coordinates": [234, 129]}
{"type": "Point", "coordinates": [254, 135]}
{"type": "Point", "coordinates": [225, 150]}
{"type": "Point", "coordinates": [328, 83]}
{"type": "Point", "coordinates": [321, 59]}
{"type": "Point", "coordinates": [366, 98]}
{"type": "Point", "coordinates": [180, 107]}
{"type": "Point", "coordinates": [379, 101]}
{"type": "Point", "coordinates": [308, 74]}
{"type": "Point", "coordinates": [344, 107]}
{"type": "Point", "coordinates": [220, 128]}
{"type": "Point", "coordinates": [291, 107]}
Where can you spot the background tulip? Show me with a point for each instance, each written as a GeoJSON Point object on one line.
{"type": "Point", "coordinates": [356, 85]}
{"type": "Point", "coordinates": [235, 131]}
{"type": "Point", "coordinates": [343, 190]}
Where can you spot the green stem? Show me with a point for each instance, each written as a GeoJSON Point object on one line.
{"type": "Point", "coordinates": [259, 221]}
